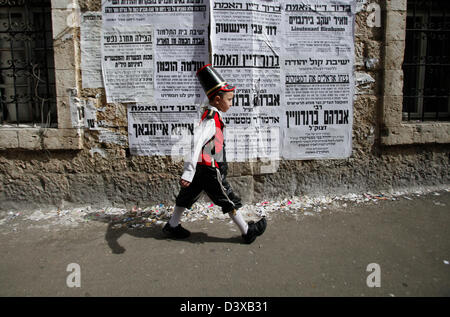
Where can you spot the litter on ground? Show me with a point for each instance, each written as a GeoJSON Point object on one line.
{"type": "Point", "coordinates": [159, 214]}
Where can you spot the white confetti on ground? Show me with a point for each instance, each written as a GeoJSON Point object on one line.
{"type": "Point", "coordinates": [141, 217]}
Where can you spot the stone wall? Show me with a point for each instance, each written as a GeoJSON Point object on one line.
{"type": "Point", "coordinates": [96, 172]}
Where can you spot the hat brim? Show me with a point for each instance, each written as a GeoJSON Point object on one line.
{"type": "Point", "coordinates": [222, 87]}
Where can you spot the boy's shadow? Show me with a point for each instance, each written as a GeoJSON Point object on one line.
{"type": "Point", "coordinates": [136, 225]}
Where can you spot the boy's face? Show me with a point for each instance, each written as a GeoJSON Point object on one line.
{"type": "Point", "coordinates": [224, 102]}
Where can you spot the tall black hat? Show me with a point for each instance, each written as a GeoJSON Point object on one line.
{"type": "Point", "coordinates": [212, 81]}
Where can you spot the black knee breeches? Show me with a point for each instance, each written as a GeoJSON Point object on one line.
{"type": "Point", "coordinates": [210, 180]}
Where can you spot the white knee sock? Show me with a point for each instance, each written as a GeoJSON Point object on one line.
{"type": "Point", "coordinates": [176, 216]}
{"type": "Point", "coordinates": [239, 221]}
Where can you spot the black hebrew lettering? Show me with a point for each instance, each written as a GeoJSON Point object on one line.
{"type": "Point", "coordinates": [315, 62]}
{"type": "Point", "coordinates": [136, 108]}
{"type": "Point", "coordinates": [336, 116]}
{"type": "Point", "coordinates": [317, 127]}
{"type": "Point", "coordinates": [296, 79]}
{"type": "Point", "coordinates": [111, 38]}
{"type": "Point", "coordinates": [226, 59]}
{"type": "Point", "coordinates": [114, 58]}
{"type": "Point", "coordinates": [191, 66]}
{"type": "Point", "coordinates": [166, 108]}
{"type": "Point", "coordinates": [341, 7]}
{"type": "Point", "coordinates": [266, 100]}
{"type": "Point", "coordinates": [196, 32]}
{"type": "Point", "coordinates": [126, 38]}
{"type": "Point", "coordinates": [134, 57]}
{"type": "Point", "coordinates": [227, 5]}
{"type": "Point", "coordinates": [134, 64]}
{"type": "Point", "coordinates": [310, 117]}
{"type": "Point", "coordinates": [143, 38]}
{"type": "Point", "coordinates": [305, 7]}
{"type": "Point", "coordinates": [150, 128]}
{"type": "Point", "coordinates": [323, 20]}
{"type": "Point", "coordinates": [167, 31]}
{"type": "Point", "coordinates": [163, 41]}
{"type": "Point", "coordinates": [271, 30]}
{"type": "Point", "coordinates": [301, 20]}
{"type": "Point", "coordinates": [167, 66]}
{"type": "Point", "coordinates": [186, 108]}
{"type": "Point", "coordinates": [260, 60]}
{"type": "Point", "coordinates": [337, 61]}
{"type": "Point", "coordinates": [231, 27]}
{"type": "Point", "coordinates": [91, 123]}
{"type": "Point", "coordinates": [340, 20]}
{"type": "Point", "coordinates": [296, 62]}
{"type": "Point", "coordinates": [248, 120]}
{"type": "Point", "coordinates": [241, 100]}
{"type": "Point", "coordinates": [256, 28]}
{"type": "Point", "coordinates": [181, 128]}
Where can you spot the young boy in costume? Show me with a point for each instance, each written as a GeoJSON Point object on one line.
{"type": "Point", "coordinates": [206, 169]}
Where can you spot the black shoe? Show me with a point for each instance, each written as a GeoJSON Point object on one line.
{"type": "Point", "coordinates": [254, 230]}
{"type": "Point", "coordinates": [177, 232]}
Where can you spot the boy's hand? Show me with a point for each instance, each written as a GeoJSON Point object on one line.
{"type": "Point", "coordinates": [184, 183]}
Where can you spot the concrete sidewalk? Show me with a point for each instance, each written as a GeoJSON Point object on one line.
{"type": "Point", "coordinates": [326, 254]}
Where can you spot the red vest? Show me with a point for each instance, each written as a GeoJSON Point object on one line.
{"type": "Point", "coordinates": [212, 151]}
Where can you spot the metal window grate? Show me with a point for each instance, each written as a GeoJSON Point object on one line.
{"type": "Point", "coordinates": [426, 64]}
{"type": "Point", "coordinates": [27, 80]}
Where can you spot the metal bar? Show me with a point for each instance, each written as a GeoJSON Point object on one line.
{"type": "Point", "coordinates": [414, 102]}
{"type": "Point", "coordinates": [14, 70]}
{"type": "Point", "coordinates": [46, 67]}
{"type": "Point", "coordinates": [427, 19]}
{"type": "Point", "coordinates": [442, 77]}
{"type": "Point", "coordinates": [28, 53]}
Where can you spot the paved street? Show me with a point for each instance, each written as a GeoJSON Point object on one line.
{"type": "Point", "coordinates": [326, 254]}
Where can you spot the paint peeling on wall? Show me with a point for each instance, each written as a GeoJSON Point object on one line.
{"type": "Point", "coordinates": [363, 82]}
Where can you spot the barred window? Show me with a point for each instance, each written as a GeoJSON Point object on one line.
{"type": "Point", "coordinates": [426, 64]}
{"type": "Point", "coordinates": [27, 76]}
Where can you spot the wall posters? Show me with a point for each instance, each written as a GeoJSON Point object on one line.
{"type": "Point", "coordinates": [292, 63]}
{"type": "Point", "coordinates": [318, 63]}
{"type": "Point", "coordinates": [90, 37]}
{"type": "Point", "coordinates": [127, 63]}
{"type": "Point", "coordinates": [161, 129]}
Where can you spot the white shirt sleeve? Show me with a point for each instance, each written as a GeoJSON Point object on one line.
{"type": "Point", "coordinates": [202, 134]}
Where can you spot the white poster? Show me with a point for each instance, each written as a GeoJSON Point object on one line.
{"type": "Point", "coordinates": [90, 115]}
{"type": "Point", "coordinates": [180, 50]}
{"type": "Point", "coordinates": [151, 53]}
{"type": "Point", "coordinates": [91, 56]}
{"type": "Point", "coordinates": [127, 63]}
{"type": "Point", "coordinates": [161, 129]}
{"type": "Point", "coordinates": [319, 83]}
